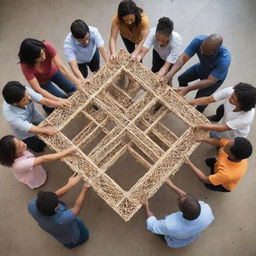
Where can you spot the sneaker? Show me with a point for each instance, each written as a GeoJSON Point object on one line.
{"type": "Point", "coordinates": [212, 118]}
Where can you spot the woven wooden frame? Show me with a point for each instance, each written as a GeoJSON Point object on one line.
{"type": "Point", "coordinates": [137, 129]}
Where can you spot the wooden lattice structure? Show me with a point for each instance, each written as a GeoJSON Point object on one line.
{"type": "Point", "coordinates": [128, 124]}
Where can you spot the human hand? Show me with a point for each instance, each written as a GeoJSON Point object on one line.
{"type": "Point", "coordinates": [199, 138]}
{"type": "Point", "coordinates": [182, 91]}
{"type": "Point", "coordinates": [74, 179]}
{"type": "Point", "coordinates": [187, 160]}
{"type": "Point", "coordinates": [71, 150]}
{"type": "Point", "coordinates": [144, 201]}
{"type": "Point", "coordinates": [113, 56]}
{"type": "Point", "coordinates": [86, 186]}
{"type": "Point", "coordinates": [64, 103]}
{"type": "Point", "coordinates": [48, 130]}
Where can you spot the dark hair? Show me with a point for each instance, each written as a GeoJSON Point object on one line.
{"type": "Point", "coordinates": [164, 26]}
{"type": "Point", "coordinates": [47, 202]}
{"type": "Point", "coordinates": [7, 150]}
{"type": "Point", "coordinates": [13, 92]}
{"type": "Point", "coordinates": [190, 207]}
{"type": "Point", "coordinates": [127, 7]}
{"type": "Point", "coordinates": [242, 148]}
{"type": "Point", "coordinates": [246, 96]}
{"type": "Point", "coordinates": [79, 29]}
{"type": "Point", "coordinates": [30, 50]}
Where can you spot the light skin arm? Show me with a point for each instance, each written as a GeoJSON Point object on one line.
{"type": "Point", "coordinates": [177, 190]}
{"type": "Point", "coordinates": [80, 199]}
{"type": "Point", "coordinates": [104, 53]}
{"type": "Point", "coordinates": [200, 175]}
{"type": "Point", "coordinates": [52, 157]}
{"type": "Point", "coordinates": [202, 101]}
{"type": "Point", "coordinates": [42, 130]}
{"type": "Point", "coordinates": [65, 72]}
{"type": "Point", "coordinates": [74, 67]}
{"type": "Point", "coordinates": [112, 40]}
{"type": "Point", "coordinates": [145, 203]}
{"type": "Point", "coordinates": [72, 181]}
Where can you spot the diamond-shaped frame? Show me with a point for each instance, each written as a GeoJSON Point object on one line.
{"type": "Point", "coordinates": [134, 119]}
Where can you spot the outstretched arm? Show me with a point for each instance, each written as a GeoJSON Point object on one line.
{"type": "Point", "coordinates": [175, 188]}
{"type": "Point", "coordinates": [145, 203]}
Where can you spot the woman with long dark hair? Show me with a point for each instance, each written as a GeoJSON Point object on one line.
{"type": "Point", "coordinates": [132, 24]}
{"type": "Point", "coordinates": [41, 65]}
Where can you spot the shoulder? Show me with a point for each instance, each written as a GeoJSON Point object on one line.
{"type": "Point", "coordinates": [32, 206]}
{"type": "Point", "coordinates": [48, 45]}
{"type": "Point", "coordinates": [115, 20]}
{"type": "Point", "coordinates": [176, 38]}
{"type": "Point", "coordinates": [198, 40]}
{"type": "Point", "coordinates": [206, 210]}
{"type": "Point", "coordinates": [68, 38]}
{"type": "Point", "coordinates": [93, 30]}
{"type": "Point", "coordinates": [144, 18]}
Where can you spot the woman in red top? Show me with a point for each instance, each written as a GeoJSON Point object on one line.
{"type": "Point", "coordinates": [41, 65]}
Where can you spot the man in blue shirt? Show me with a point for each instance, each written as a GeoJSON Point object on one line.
{"type": "Point", "coordinates": [82, 47]}
{"type": "Point", "coordinates": [53, 216]}
{"type": "Point", "coordinates": [181, 228]}
{"type": "Point", "coordinates": [212, 69]}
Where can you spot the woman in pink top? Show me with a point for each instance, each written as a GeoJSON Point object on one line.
{"type": "Point", "coordinates": [26, 167]}
{"type": "Point", "coordinates": [41, 65]}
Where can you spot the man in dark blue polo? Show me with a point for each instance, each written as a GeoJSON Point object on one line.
{"type": "Point", "coordinates": [212, 69]}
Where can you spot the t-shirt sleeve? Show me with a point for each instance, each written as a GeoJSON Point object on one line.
{"type": "Point", "coordinates": [19, 123]}
{"type": "Point", "coordinates": [98, 38]}
{"type": "Point", "coordinates": [219, 178]}
{"type": "Point", "coordinates": [50, 50]}
{"type": "Point", "coordinates": [220, 71]}
{"type": "Point", "coordinates": [36, 97]}
{"type": "Point", "coordinates": [24, 164]}
{"type": "Point", "coordinates": [193, 47]}
{"type": "Point", "coordinates": [223, 142]}
{"type": "Point", "coordinates": [27, 71]}
{"type": "Point", "coordinates": [223, 94]}
{"type": "Point", "coordinates": [149, 42]}
{"type": "Point", "coordinates": [157, 226]}
{"type": "Point", "coordinates": [175, 51]}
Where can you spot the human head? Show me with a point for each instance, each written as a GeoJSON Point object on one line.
{"type": "Point", "coordinates": [244, 97]}
{"type": "Point", "coordinates": [10, 149]}
{"type": "Point", "coordinates": [80, 31]}
{"type": "Point", "coordinates": [211, 45]}
{"type": "Point", "coordinates": [15, 93]}
{"type": "Point", "coordinates": [164, 30]}
{"type": "Point", "coordinates": [129, 13]}
{"type": "Point", "coordinates": [189, 206]}
{"type": "Point", "coordinates": [47, 202]}
{"type": "Point", "coordinates": [238, 149]}
{"type": "Point", "coordinates": [31, 51]}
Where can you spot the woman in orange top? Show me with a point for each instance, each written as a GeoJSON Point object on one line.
{"type": "Point", "coordinates": [133, 25]}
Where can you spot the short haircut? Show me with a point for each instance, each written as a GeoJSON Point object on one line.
{"type": "Point", "coordinates": [79, 29]}
{"type": "Point", "coordinates": [13, 92]}
{"type": "Point", "coordinates": [127, 7]}
{"type": "Point", "coordinates": [242, 148]}
{"type": "Point", "coordinates": [246, 96]}
{"type": "Point", "coordinates": [190, 207]}
{"type": "Point", "coordinates": [47, 202]}
{"type": "Point", "coordinates": [7, 150]}
{"type": "Point", "coordinates": [30, 50]}
{"type": "Point", "coordinates": [164, 26]}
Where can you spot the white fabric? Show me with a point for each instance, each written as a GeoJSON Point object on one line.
{"type": "Point", "coordinates": [170, 52]}
{"type": "Point", "coordinates": [240, 122]}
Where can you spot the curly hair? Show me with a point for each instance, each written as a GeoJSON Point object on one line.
{"type": "Point", "coordinates": [190, 207]}
{"type": "Point", "coordinates": [47, 202]}
{"type": "Point", "coordinates": [164, 26]}
{"type": "Point", "coordinates": [246, 96]}
{"type": "Point", "coordinates": [7, 150]}
{"type": "Point", "coordinates": [127, 7]}
{"type": "Point", "coordinates": [242, 148]}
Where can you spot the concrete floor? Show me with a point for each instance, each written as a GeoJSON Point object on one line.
{"type": "Point", "coordinates": [234, 229]}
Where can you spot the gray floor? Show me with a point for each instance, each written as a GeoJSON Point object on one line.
{"type": "Point", "coordinates": [233, 231]}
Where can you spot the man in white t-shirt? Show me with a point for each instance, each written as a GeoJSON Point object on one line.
{"type": "Point", "coordinates": [237, 113]}
{"type": "Point", "coordinates": [82, 47]}
{"type": "Point", "coordinates": [167, 46]}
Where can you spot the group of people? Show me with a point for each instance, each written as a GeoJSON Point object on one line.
{"type": "Point", "coordinates": [42, 66]}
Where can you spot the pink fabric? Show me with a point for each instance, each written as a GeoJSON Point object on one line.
{"type": "Point", "coordinates": [47, 68]}
{"type": "Point", "coordinates": [25, 172]}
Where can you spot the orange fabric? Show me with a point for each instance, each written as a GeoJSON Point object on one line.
{"type": "Point", "coordinates": [227, 173]}
{"type": "Point", "coordinates": [133, 35]}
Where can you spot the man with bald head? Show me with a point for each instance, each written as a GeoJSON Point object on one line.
{"type": "Point", "coordinates": [212, 69]}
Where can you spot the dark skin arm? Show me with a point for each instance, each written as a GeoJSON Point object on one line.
{"type": "Point", "coordinates": [145, 203]}
{"type": "Point", "coordinates": [175, 188]}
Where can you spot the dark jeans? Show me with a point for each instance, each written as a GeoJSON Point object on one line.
{"type": "Point", "coordinates": [219, 114]}
{"type": "Point", "coordinates": [193, 73]}
{"type": "Point", "coordinates": [130, 46]}
{"type": "Point", "coordinates": [84, 235]}
{"type": "Point", "coordinates": [157, 62]}
{"type": "Point", "coordinates": [63, 83]}
{"type": "Point", "coordinates": [35, 144]}
{"type": "Point", "coordinates": [211, 162]}
{"type": "Point", "coordinates": [162, 237]}
{"type": "Point", "coordinates": [94, 64]}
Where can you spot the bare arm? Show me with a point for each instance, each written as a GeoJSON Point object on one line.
{"type": "Point", "coordinates": [54, 104]}
{"type": "Point", "coordinates": [112, 39]}
{"type": "Point", "coordinates": [175, 188]}
{"type": "Point", "coordinates": [145, 203]}
{"type": "Point", "coordinates": [74, 67]}
{"type": "Point", "coordinates": [80, 199]}
{"type": "Point", "coordinates": [52, 157]}
{"type": "Point", "coordinates": [212, 141]}
{"type": "Point", "coordinates": [164, 69]}
{"type": "Point", "coordinates": [142, 53]}
{"type": "Point", "coordinates": [144, 34]}
{"type": "Point", "coordinates": [214, 127]}
{"type": "Point", "coordinates": [104, 53]}
{"type": "Point", "coordinates": [42, 130]}
{"type": "Point", "coordinates": [210, 80]}
{"type": "Point", "coordinates": [65, 72]}
{"type": "Point", "coordinates": [200, 175]}
{"type": "Point", "coordinates": [202, 101]}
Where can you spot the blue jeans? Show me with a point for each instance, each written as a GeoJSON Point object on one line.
{"type": "Point", "coordinates": [84, 235]}
{"type": "Point", "coordinates": [63, 83]}
{"type": "Point", "coordinates": [193, 73]}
